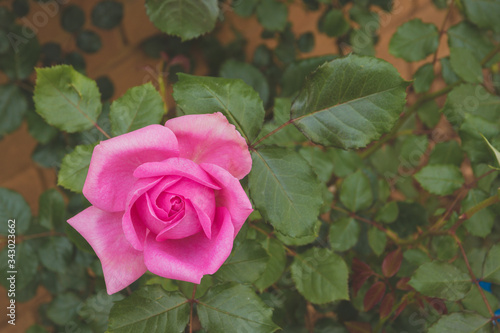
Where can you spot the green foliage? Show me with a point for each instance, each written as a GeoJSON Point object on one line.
{"type": "Point", "coordinates": [14, 207]}
{"type": "Point", "coordinates": [13, 106]}
{"type": "Point", "coordinates": [440, 179]}
{"type": "Point", "coordinates": [74, 168]}
{"type": "Point", "coordinates": [414, 40]}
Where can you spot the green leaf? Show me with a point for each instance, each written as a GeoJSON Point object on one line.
{"type": "Point", "coordinates": [88, 41]}
{"type": "Point", "coordinates": [377, 240]}
{"type": "Point", "coordinates": [423, 78]}
{"type": "Point", "coordinates": [465, 35]}
{"type": "Point", "coordinates": [22, 55]}
{"type": "Point", "coordinates": [55, 254]}
{"type": "Point", "coordinates": [388, 213]}
{"type": "Point", "coordinates": [442, 280]}
{"type": "Point", "coordinates": [448, 74]}
{"type": "Point", "coordinates": [63, 308]}
{"type": "Point", "coordinates": [414, 40]}
{"type": "Point", "coordinates": [320, 276]}
{"type": "Point", "coordinates": [13, 207]}
{"type": "Point", "coordinates": [495, 152]}
{"type": "Point", "coordinates": [233, 69]}
{"type": "Point", "coordinates": [448, 152]}
{"type": "Point", "coordinates": [295, 74]}
{"type": "Point", "coordinates": [25, 266]}
{"type": "Point", "coordinates": [272, 15]}
{"type": "Point", "coordinates": [445, 247]}
{"type": "Point", "coordinates": [464, 63]}
{"type": "Point", "coordinates": [244, 8]}
{"type": "Point", "coordinates": [461, 322]}
{"type": "Point", "coordinates": [246, 263]}
{"type": "Point", "coordinates": [285, 190]}
{"type": "Point", "coordinates": [52, 210]}
{"type": "Point", "coordinates": [236, 100]}
{"type": "Point", "coordinates": [345, 162]}
{"type": "Point", "coordinates": [72, 18]}
{"type": "Point", "coordinates": [491, 270]}
{"type": "Point", "coordinates": [36, 329]}
{"type": "Point", "coordinates": [305, 42]}
{"type": "Point", "coordinates": [184, 18]}
{"type": "Point", "coordinates": [139, 107]}
{"type": "Point", "coordinates": [356, 193]}
{"type": "Point", "coordinates": [334, 24]}
{"type": "Point", "coordinates": [303, 240]}
{"type": "Point", "coordinates": [481, 223]}
{"type": "Point", "coordinates": [440, 179]}
{"type": "Point", "coordinates": [320, 160]}
{"type": "Point", "coordinates": [275, 266]}
{"type": "Point", "coordinates": [429, 114]}
{"type": "Point", "coordinates": [13, 106]}
{"type": "Point", "coordinates": [66, 99]}
{"type": "Point", "coordinates": [150, 309]}
{"type": "Point", "coordinates": [234, 307]}
{"type": "Point", "coordinates": [362, 43]}
{"type": "Point", "coordinates": [74, 168]}
{"type": "Point", "coordinates": [107, 14]}
{"type": "Point", "coordinates": [95, 310]}
{"type": "Point", "coordinates": [483, 13]}
{"type": "Point", "coordinates": [349, 102]}
{"type": "Point", "coordinates": [344, 234]}
{"type": "Point", "coordinates": [474, 302]}
{"type": "Point", "coordinates": [39, 129]}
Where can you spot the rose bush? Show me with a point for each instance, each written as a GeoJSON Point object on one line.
{"type": "Point", "coordinates": [166, 199]}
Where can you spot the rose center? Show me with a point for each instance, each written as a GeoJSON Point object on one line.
{"type": "Point", "coordinates": [170, 203]}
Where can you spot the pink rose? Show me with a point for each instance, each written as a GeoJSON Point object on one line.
{"type": "Point", "coordinates": [166, 199]}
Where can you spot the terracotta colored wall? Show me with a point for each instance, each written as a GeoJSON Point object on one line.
{"type": "Point", "coordinates": [124, 63]}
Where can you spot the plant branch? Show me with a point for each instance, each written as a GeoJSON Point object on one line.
{"type": "Point", "coordinates": [469, 213]}
{"type": "Point", "coordinates": [441, 31]}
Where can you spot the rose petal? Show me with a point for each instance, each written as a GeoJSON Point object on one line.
{"type": "Point", "coordinates": [121, 263]}
{"type": "Point", "coordinates": [188, 259]}
{"type": "Point", "coordinates": [209, 138]}
{"type": "Point", "coordinates": [176, 167]}
{"type": "Point", "coordinates": [186, 226]}
{"type": "Point", "coordinates": [232, 196]}
{"type": "Point", "coordinates": [111, 169]}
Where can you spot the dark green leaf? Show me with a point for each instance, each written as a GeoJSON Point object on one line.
{"type": "Point", "coordinates": [106, 87]}
{"type": "Point", "coordinates": [465, 35]}
{"type": "Point", "coordinates": [461, 322]}
{"type": "Point", "coordinates": [184, 18]}
{"type": "Point", "coordinates": [13, 106]}
{"type": "Point", "coordinates": [23, 269]}
{"type": "Point", "coordinates": [448, 152]}
{"type": "Point", "coordinates": [72, 18]}
{"type": "Point", "coordinates": [344, 234]}
{"type": "Point", "coordinates": [262, 56]}
{"type": "Point", "coordinates": [107, 14]}
{"type": "Point", "coordinates": [449, 75]}
{"type": "Point", "coordinates": [66, 99]}
{"type": "Point", "coordinates": [334, 24]}
{"type": "Point", "coordinates": [429, 114]}
{"type": "Point", "coordinates": [491, 270]}
{"type": "Point", "coordinates": [475, 302]}
{"type": "Point", "coordinates": [244, 8]}
{"type": "Point", "coordinates": [377, 240]}
{"type": "Point", "coordinates": [442, 280]}
{"type": "Point", "coordinates": [52, 210]}
{"type": "Point", "coordinates": [274, 266]}
{"type": "Point", "coordinates": [414, 40]}
{"type": "Point", "coordinates": [272, 15]}
{"type": "Point", "coordinates": [95, 310]}
{"type": "Point", "coordinates": [74, 168]}
{"type": "Point", "coordinates": [320, 160]}
{"type": "Point", "coordinates": [297, 241]}
{"type": "Point", "coordinates": [356, 193]}
{"type": "Point", "coordinates": [423, 78]}
{"type": "Point", "coordinates": [39, 129]}
{"type": "Point", "coordinates": [20, 7]}
{"type": "Point", "coordinates": [345, 162]}
{"type": "Point", "coordinates": [233, 69]}
{"type": "Point", "coordinates": [320, 276]}
{"type": "Point", "coordinates": [236, 100]}
{"type": "Point", "coordinates": [306, 42]}
{"type": "Point", "coordinates": [481, 222]}
{"type": "Point", "coordinates": [285, 190]}
{"type": "Point", "coordinates": [440, 179]}
{"type": "Point", "coordinates": [55, 254]}
{"type": "Point", "coordinates": [13, 207]}
{"type": "Point", "coordinates": [150, 309]}
{"type": "Point", "coordinates": [88, 41]}
{"type": "Point", "coordinates": [139, 107]}
{"type": "Point", "coordinates": [36, 329]}
{"type": "Point", "coordinates": [445, 247]}
{"type": "Point", "coordinates": [246, 263]}
{"type": "Point", "coordinates": [63, 308]}
{"type": "Point", "coordinates": [464, 63]}
{"type": "Point", "coordinates": [349, 102]}
{"type": "Point", "coordinates": [76, 60]}
{"type": "Point", "coordinates": [388, 213]}
{"type": "Point", "coordinates": [233, 307]}
{"type": "Point", "coordinates": [483, 13]}
{"type": "Point", "coordinates": [362, 43]}
{"type": "Point", "coordinates": [22, 55]}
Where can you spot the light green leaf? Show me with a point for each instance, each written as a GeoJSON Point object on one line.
{"type": "Point", "coordinates": [344, 234]}
{"type": "Point", "coordinates": [184, 18]}
{"type": "Point", "coordinates": [388, 213]}
{"type": "Point", "coordinates": [67, 99]}
{"type": "Point", "coordinates": [74, 168]}
{"type": "Point", "coordinates": [275, 266]}
{"type": "Point", "coordinates": [13, 207]}
{"type": "Point", "coordinates": [246, 263]}
{"type": "Point", "coordinates": [150, 309]}
{"type": "Point", "coordinates": [139, 107]}
{"type": "Point", "coordinates": [440, 179]}
{"type": "Point", "coordinates": [495, 152]}
{"type": "Point", "coordinates": [491, 270]}
{"type": "Point", "coordinates": [423, 78]}
{"type": "Point", "coordinates": [349, 102]}
{"type": "Point", "coordinates": [13, 106]}
{"type": "Point", "coordinates": [285, 190]}
{"type": "Point", "coordinates": [52, 210]}
{"type": "Point", "coordinates": [461, 322]}
{"type": "Point", "coordinates": [320, 276]}
{"type": "Point", "coordinates": [233, 69]}
{"type": "Point", "coordinates": [356, 193]}
{"type": "Point", "coordinates": [442, 280]}
{"type": "Point", "coordinates": [481, 223]}
{"type": "Point", "coordinates": [232, 307]}
{"type": "Point", "coordinates": [475, 302]}
{"type": "Point", "coordinates": [484, 13]}
{"type": "Point", "coordinates": [464, 63]}
{"type": "Point", "coordinates": [377, 240]}
{"type": "Point", "coordinates": [236, 100]}
{"type": "Point", "coordinates": [414, 40]}
{"type": "Point", "coordinates": [272, 15]}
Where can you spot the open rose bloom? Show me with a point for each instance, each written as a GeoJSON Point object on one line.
{"type": "Point", "coordinates": [166, 199]}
